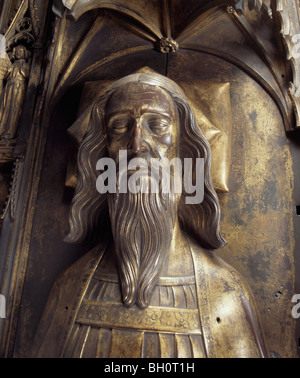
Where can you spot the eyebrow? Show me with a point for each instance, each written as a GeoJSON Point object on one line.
{"type": "Point", "coordinates": [117, 114]}
{"type": "Point", "coordinates": [144, 93]}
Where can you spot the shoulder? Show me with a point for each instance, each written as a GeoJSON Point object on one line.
{"type": "Point", "coordinates": [81, 269]}
{"type": "Point", "coordinates": [63, 303]}
{"type": "Point", "coordinates": [221, 274]}
{"type": "Point", "coordinates": [228, 307]}
{"type": "Point", "coordinates": [224, 283]}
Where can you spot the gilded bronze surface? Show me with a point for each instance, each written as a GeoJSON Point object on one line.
{"type": "Point", "coordinates": [147, 115]}
{"type": "Point", "coordinates": [237, 62]}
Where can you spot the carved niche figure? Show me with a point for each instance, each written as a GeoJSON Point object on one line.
{"type": "Point", "coordinates": [5, 66]}
{"type": "Point", "coordinates": [152, 287]}
{"type": "Point", "coordinates": [14, 92]}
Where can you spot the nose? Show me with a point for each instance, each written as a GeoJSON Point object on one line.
{"type": "Point", "coordinates": [137, 138]}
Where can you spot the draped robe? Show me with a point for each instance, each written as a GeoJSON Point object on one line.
{"type": "Point", "coordinates": [210, 314]}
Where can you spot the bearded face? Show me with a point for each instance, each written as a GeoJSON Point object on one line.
{"type": "Point", "coordinates": [143, 121]}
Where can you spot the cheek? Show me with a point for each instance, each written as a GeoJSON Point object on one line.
{"type": "Point", "coordinates": [117, 143]}
{"type": "Point", "coordinates": [113, 146]}
{"type": "Point", "coordinates": [166, 146]}
{"type": "Point", "coordinates": [166, 140]}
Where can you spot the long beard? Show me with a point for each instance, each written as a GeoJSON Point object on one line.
{"type": "Point", "coordinates": [142, 226]}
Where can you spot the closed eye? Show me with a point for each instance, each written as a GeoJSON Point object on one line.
{"type": "Point", "coordinates": [159, 126]}
{"type": "Point", "coordinates": [120, 125]}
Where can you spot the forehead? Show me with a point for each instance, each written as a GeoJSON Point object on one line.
{"type": "Point", "coordinates": [142, 97]}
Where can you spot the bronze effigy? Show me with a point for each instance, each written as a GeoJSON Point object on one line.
{"type": "Point", "coordinates": [155, 289]}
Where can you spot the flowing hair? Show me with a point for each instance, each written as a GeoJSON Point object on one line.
{"type": "Point", "coordinates": [201, 220]}
{"type": "Point", "coordinates": [89, 210]}
{"type": "Point", "coordinates": [89, 217]}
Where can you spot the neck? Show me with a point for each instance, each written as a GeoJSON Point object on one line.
{"type": "Point", "coordinates": [179, 260]}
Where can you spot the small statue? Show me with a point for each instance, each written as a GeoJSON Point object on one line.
{"type": "Point", "coordinates": [13, 93]}
{"type": "Point", "coordinates": [5, 67]}
{"type": "Point", "coordinates": [152, 287]}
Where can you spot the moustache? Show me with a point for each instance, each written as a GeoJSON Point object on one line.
{"type": "Point", "coordinates": [147, 175]}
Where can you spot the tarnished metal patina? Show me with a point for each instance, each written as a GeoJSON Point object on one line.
{"type": "Point", "coordinates": [62, 63]}
{"type": "Point", "coordinates": [155, 289]}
